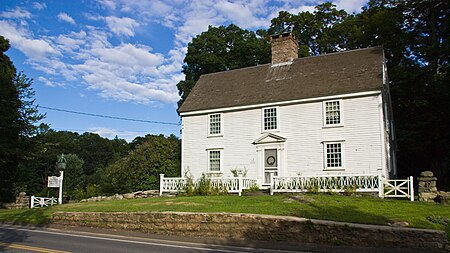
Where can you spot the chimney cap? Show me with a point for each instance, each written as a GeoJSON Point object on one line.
{"type": "Point", "coordinates": [282, 35]}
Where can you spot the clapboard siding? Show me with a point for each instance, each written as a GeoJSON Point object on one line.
{"type": "Point", "coordinates": [302, 126]}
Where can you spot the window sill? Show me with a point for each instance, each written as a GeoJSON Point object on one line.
{"type": "Point", "coordinates": [334, 169]}
{"type": "Point", "coordinates": [270, 131]}
{"type": "Point", "coordinates": [333, 126]}
{"type": "Point", "coordinates": [214, 135]}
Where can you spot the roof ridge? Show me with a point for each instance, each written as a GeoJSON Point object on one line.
{"type": "Point", "coordinates": [298, 59]}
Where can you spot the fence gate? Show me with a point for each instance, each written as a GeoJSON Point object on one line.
{"type": "Point", "coordinates": [397, 188]}
{"type": "Point", "coordinates": [37, 202]}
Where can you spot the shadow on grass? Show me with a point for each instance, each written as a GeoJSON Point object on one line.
{"type": "Point", "coordinates": [31, 216]}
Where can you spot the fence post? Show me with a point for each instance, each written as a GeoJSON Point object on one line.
{"type": "Point", "coordinates": [380, 187]}
{"type": "Point", "coordinates": [32, 202]}
{"type": "Point", "coordinates": [411, 185]}
{"type": "Point", "coordinates": [272, 184]}
{"type": "Point", "coordinates": [240, 184]}
{"type": "Point", "coordinates": [161, 182]}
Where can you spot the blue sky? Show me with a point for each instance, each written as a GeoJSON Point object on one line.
{"type": "Point", "coordinates": [120, 58]}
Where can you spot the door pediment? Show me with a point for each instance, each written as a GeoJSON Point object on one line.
{"type": "Point", "coordinates": [269, 138]}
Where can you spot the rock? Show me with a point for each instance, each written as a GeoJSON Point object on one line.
{"type": "Point", "coordinates": [128, 196]}
{"type": "Point", "coordinates": [444, 197]}
{"type": "Point", "coordinates": [426, 174]}
{"type": "Point", "coordinates": [427, 196]}
{"type": "Point", "coordinates": [399, 224]}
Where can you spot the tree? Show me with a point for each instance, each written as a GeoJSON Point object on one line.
{"type": "Point", "coordinates": [18, 114]}
{"type": "Point", "coordinates": [314, 31]}
{"type": "Point", "coordinates": [220, 49]}
{"type": "Point", "coordinates": [141, 168]}
{"type": "Point", "coordinates": [74, 178]}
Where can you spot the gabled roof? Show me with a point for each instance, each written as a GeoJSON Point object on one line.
{"type": "Point", "coordinates": [325, 75]}
{"type": "Point", "coordinates": [269, 138]}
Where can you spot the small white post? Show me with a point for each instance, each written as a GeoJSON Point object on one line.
{"type": "Point", "coordinates": [411, 185]}
{"type": "Point", "coordinates": [32, 202]}
{"type": "Point", "coordinates": [161, 182]}
{"type": "Point", "coordinates": [240, 184]}
{"type": "Point", "coordinates": [272, 185]}
{"type": "Point", "coordinates": [380, 187]}
{"type": "Point", "coordinates": [61, 177]}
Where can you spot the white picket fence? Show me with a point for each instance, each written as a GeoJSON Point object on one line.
{"type": "Point", "coordinates": [386, 188]}
{"type": "Point", "coordinates": [326, 183]}
{"type": "Point", "coordinates": [230, 185]}
{"type": "Point", "coordinates": [39, 202]}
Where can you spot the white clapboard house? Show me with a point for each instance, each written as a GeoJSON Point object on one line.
{"type": "Point", "coordinates": [320, 115]}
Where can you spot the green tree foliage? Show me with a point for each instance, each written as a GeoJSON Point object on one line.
{"type": "Point", "coordinates": [314, 31]}
{"type": "Point", "coordinates": [141, 168]}
{"type": "Point", "coordinates": [95, 152]}
{"type": "Point", "coordinates": [74, 177]}
{"type": "Point", "coordinates": [18, 115]}
{"type": "Point", "coordinates": [219, 49]}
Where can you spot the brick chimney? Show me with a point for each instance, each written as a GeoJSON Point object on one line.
{"type": "Point", "coordinates": [284, 48]}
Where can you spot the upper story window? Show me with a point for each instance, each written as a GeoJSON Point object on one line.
{"type": "Point", "coordinates": [215, 124]}
{"type": "Point", "coordinates": [333, 155]}
{"type": "Point", "coordinates": [270, 118]}
{"type": "Point", "coordinates": [332, 112]}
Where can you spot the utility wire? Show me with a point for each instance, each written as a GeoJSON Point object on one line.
{"type": "Point", "coordinates": [109, 117]}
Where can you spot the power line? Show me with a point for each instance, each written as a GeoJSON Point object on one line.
{"type": "Point", "coordinates": [109, 117]}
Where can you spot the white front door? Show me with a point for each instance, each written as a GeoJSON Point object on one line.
{"type": "Point", "coordinates": [270, 164]}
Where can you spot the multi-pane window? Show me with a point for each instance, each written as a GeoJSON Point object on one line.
{"type": "Point", "coordinates": [270, 118]}
{"type": "Point", "coordinates": [333, 112]}
{"type": "Point", "coordinates": [215, 121]}
{"type": "Point", "coordinates": [214, 160]}
{"type": "Point", "coordinates": [333, 155]}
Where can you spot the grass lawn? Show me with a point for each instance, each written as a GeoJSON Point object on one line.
{"type": "Point", "coordinates": [366, 210]}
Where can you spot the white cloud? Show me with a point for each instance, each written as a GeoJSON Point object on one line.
{"type": "Point", "coordinates": [121, 26]}
{"type": "Point", "coordinates": [21, 39]}
{"type": "Point", "coordinates": [108, 4]}
{"type": "Point", "coordinates": [241, 15]}
{"type": "Point", "coordinates": [47, 82]}
{"type": "Point", "coordinates": [112, 133]}
{"type": "Point", "coordinates": [350, 5]}
{"type": "Point", "coordinates": [16, 13]}
{"type": "Point", "coordinates": [39, 6]}
{"type": "Point", "coordinates": [62, 16]}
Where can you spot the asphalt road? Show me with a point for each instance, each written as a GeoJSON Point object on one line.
{"type": "Point", "coordinates": [51, 240]}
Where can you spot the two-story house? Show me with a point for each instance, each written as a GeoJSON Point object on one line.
{"type": "Point", "coordinates": [322, 115]}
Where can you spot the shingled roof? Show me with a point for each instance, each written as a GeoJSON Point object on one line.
{"type": "Point", "coordinates": [325, 75]}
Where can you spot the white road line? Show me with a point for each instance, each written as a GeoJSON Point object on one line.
{"type": "Point", "coordinates": [166, 244]}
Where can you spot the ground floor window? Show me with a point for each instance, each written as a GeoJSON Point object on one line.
{"type": "Point", "coordinates": [333, 155]}
{"type": "Point", "coordinates": [214, 158]}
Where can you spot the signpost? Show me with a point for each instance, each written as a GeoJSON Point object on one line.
{"type": "Point", "coordinates": [57, 182]}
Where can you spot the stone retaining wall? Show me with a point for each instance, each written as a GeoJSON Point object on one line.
{"type": "Point", "coordinates": [259, 227]}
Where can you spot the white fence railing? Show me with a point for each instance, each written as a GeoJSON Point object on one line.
{"type": "Point", "coordinates": [326, 183]}
{"type": "Point", "coordinates": [231, 185]}
{"type": "Point", "coordinates": [386, 188]}
{"type": "Point", "coordinates": [39, 202]}
{"type": "Point", "coordinates": [395, 188]}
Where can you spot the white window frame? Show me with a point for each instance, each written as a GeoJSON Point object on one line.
{"type": "Point", "coordinates": [220, 160]}
{"type": "Point", "coordinates": [325, 155]}
{"type": "Point", "coordinates": [277, 110]}
{"type": "Point", "coordinates": [341, 114]}
{"type": "Point", "coordinates": [209, 125]}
